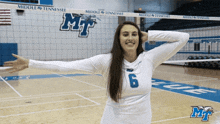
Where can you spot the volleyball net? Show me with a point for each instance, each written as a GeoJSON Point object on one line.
{"type": "Point", "coordinates": [49, 33]}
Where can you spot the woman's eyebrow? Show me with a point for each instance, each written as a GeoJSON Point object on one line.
{"type": "Point", "coordinates": [125, 32]}
{"type": "Point", "coordinates": [128, 32]}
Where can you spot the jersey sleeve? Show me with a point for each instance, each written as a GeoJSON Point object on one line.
{"type": "Point", "coordinates": [93, 65]}
{"type": "Point", "coordinates": [175, 41]}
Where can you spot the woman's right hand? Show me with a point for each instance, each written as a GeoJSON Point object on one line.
{"type": "Point", "coordinates": [17, 65]}
{"type": "Point", "coordinates": [144, 36]}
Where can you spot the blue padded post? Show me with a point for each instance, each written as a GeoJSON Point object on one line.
{"type": "Point", "coordinates": [6, 49]}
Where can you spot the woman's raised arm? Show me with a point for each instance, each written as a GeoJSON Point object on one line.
{"type": "Point", "coordinates": [176, 40]}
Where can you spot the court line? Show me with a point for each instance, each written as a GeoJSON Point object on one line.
{"type": "Point", "coordinates": [157, 90]}
{"type": "Point", "coordinates": [198, 80]}
{"type": "Point", "coordinates": [80, 81]}
{"type": "Point", "coordinates": [12, 115]}
{"type": "Point", "coordinates": [49, 102]}
{"type": "Point", "coordinates": [11, 87]}
{"type": "Point", "coordinates": [42, 96]}
{"type": "Point", "coordinates": [171, 119]}
{"type": "Point", "coordinates": [188, 75]}
{"type": "Point", "coordinates": [88, 99]}
{"type": "Point", "coordinates": [176, 118]}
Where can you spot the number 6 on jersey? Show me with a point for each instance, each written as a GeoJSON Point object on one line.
{"type": "Point", "coordinates": [133, 82]}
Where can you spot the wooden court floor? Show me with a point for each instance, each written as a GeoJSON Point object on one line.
{"type": "Point", "coordinates": [61, 99]}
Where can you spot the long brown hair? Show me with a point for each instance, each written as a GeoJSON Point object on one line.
{"type": "Point", "coordinates": [115, 72]}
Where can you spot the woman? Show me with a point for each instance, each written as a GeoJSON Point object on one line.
{"type": "Point", "coordinates": [127, 70]}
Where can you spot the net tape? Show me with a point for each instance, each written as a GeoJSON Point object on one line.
{"type": "Point", "coordinates": [105, 13]}
{"type": "Point", "coordinates": [183, 61]}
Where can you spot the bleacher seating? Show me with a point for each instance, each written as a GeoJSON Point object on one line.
{"type": "Point", "coordinates": [206, 64]}
{"type": "Point", "coordinates": [203, 8]}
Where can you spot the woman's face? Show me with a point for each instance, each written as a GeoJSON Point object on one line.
{"type": "Point", "coordinates": [129, 38]}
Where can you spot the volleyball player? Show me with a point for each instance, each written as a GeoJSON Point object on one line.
{"type": "Point", "coordinates": [127, 70]}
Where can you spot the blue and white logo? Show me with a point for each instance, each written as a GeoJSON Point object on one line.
{"type": "Point", "coordinates": [201, 112]}
{"type": "Point", "coordinates": [78, 22]}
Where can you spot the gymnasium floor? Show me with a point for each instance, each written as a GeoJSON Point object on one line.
{"type": "Point", "coordinates": [46, 97]}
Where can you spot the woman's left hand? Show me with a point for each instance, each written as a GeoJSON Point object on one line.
{"type": "Point", "coordinates": [17, 65]}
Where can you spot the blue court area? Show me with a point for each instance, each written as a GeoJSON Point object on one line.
{"type": "Point", "coordinates": [187, 89]}
{"type": "Point", "coordinates": [181, 88]}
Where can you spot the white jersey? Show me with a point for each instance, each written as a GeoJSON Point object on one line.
{"type": "Point", "coordinates": [134, 107]}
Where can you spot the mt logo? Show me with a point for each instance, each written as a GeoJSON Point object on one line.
{"type": "Point", "coordinates": [77, 22]}
{"type": "Point", "coordinates": [201, 112]}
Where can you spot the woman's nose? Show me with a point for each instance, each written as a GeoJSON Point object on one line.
{"type": "Point", "coordinates": [130, 37]}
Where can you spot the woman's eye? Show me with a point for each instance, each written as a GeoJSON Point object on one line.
{"type": "Point", "coordinates": [125, 35]}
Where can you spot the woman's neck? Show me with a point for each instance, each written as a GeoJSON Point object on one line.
{"type": "Point", "coordinates": [130, 56]}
